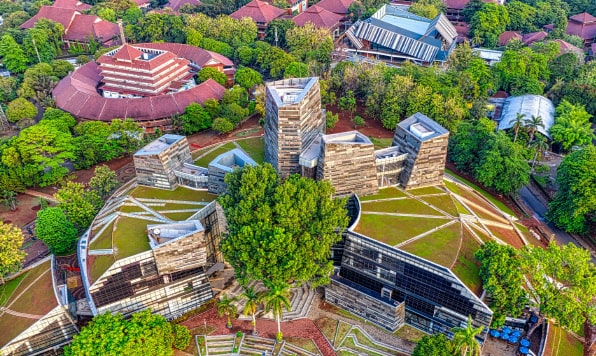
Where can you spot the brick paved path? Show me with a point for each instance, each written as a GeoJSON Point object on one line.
{"type": "Point", "coordinates": [304, 328]}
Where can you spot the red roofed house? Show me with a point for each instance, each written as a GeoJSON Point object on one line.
{"type": "Point", "coordinates": [177, 4]}
{"type": "Point", "coordinates": [507, 36]}
{"type": "Point", "coordinates": [566, 47]}
{"type": "Point", "coordinates": [321, 18]}
{"type": "Point", "coordinates": [454, 9]}
{"type": "Point", "coordinates": [260, 12]}
{"type": "Point", "coordinates": [71, 4]}
{"type": "Point", "coordinates": [339, 7]}
{"type": "Point", "coordinates": [532, 37]}
{"type": "Point", "coordinates": [584, 26]}
{"type": "Point", "coordinates": [140, 72]}
{"type": "Point", "coordinates": [147, 82]}
{"type": "Point", "coordinates": [78, 28]}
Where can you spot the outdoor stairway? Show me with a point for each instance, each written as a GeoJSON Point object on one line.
{"type": "Point", "coordinates": [301, 302]}
{"type": "Point", "coordinates": [288, 349]}
{"type": "Point", "coordinates": [220, 344]}
{"type": "Point", "coordinates": [256, 346]}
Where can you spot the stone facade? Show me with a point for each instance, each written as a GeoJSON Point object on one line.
{"type": "Point", "coordinates": [425, 143]}
{"type": "Point", "coordinates": [347, 160]}
{"type": "Point", "coordinates": [155, 163]}
{"type": "Point", "coordinates": [293, 119]}
{"type": "Point", "coordinates": [184, 252]}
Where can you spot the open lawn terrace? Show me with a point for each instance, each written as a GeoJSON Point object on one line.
{"type": "Point", "coordinates": [24, 300]}
{"type": "Point", "coordinates": [120, 228]}
{"type": "Point", "coordinates": [445, 224]}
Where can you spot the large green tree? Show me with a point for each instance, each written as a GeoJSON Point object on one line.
{"type": "Point", "coordinates": [12, 55]}
{"type": "Point", "coordinates": [309, 42]}
{"type": "Point", "coordinates": [436, 345]}
{"type": "Point", "coordinates": [143, 334]}
{"type": "Point", "coordinates": [194, 119]}
{"type": "Point", "coordinates": [20, 109]}
{"type": "Point", "coordinates": [502, 279]}
{"type": "Point", "coordinates": [247, 78]}
{"type": "Point", "coordinates": [563, 281]}
{"type": "Point", "coordinates": [574, 205]}
{"type": "Point", "coordinates": [280, 231]}
{"type": "Point", "coordinates": [212, 73]}
{"type": "Point", "coordinates": [54, 229]}
{"type": "Point", "coordinates": [572, 126]}
{"type": "Point", "coordinates": [104, 181]}
{"type": "Point", "coordinates": [79, 205]}
{"type": "Point", "coordinates": [11, 255]}
{"type": "Point", "coordinates": [488, 23]}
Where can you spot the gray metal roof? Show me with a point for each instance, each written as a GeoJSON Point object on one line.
{"type": "Point", "coordinates": [159, 145]}
{"type": "Point", "coordinates": [397, 29]}
{"type": "Point", "coordinates": [230, 160]}
{"type": "Point", "coordinates": [422, 127]}
{"type": "Point", "coordinates": [529, 105]}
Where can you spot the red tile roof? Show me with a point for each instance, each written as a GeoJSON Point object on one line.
{"type": "Point", "coordinates": [77, 94]}
{"type": "Point", "coordinates": [141, 3]}
{"type": "Point", "coordinates": [126, 53]}
{"type": "Point", "coordinates": [339, 7]}
{"type": "Point", "coordinates": [566, 47]}
{"type": "Point", "coordinates": [196, 55]}
{"type": "Point", "coordinates": [177, 4]}
{"type": "Point", "coordinates": [71, 4]}
{"type": "Point", "coordinates": [63, 16]}
{"type": "Point", "coordinates": [507, 36]}
{"type": "Point", "coordinates": [532, 37]}
{"type": "Point", "coordinates": [582, 25]}
{"type": "Point", "coordinates": [456, 4]}
{"type": "Point", "coordinates": [258, 11]}
{"type": "Point", "coordinates": [318, 17]}
{"type": "Point", "coordinates": [583, 18]}
{"type": "Point", "coordinates": [77, 27]}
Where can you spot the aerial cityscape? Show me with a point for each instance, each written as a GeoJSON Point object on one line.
{"type": "Point", "coordinates": [294, 177]}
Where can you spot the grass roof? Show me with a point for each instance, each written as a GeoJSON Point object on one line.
{"type": "Point", "coordinates": [393, 230]}
{"type": "Point", "coordinates": [207, 158]}
{"type": "Point", "coordinates": [33, 294]}
{"type": "Point", "coordinates": [254, 147]}
{"type": "Point", "coordinates": [401, 206]}
{"type": "Point", "coordinates": [384, 193]}
{"type": "Point", "coordinates": [441, 247]}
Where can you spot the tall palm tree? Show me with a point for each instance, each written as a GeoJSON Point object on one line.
{"type": "Point", "coordinates": [540, 144]}
{"type": "Point", "coordinates": [250, 308]}
{"type": "Point", "coordinates": [225, 306]}
{"type": "Point", "coordinates": [532, 124]}
{"type": "Point", "coordinates": [518, 123]}
{"type": "Point", "coordinates": [276, 298]}
{"type": "Point", "coordinates": [465, 341]}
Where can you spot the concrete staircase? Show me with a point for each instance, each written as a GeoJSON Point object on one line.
{"type": "Point", "coordinates": [220, 344]}
{"type": "Point", "coordinates": [288, 349]}
{"type": "Point", "coordinates": [256, 346]}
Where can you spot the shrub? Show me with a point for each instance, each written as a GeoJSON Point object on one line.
{"type": "Point", "coordinates": [181, 337]}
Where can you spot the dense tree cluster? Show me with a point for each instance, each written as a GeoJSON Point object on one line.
{"type": "Point", "coordinates": [11, 255]}
{"type": "Point", "coordinates": [143, 334]}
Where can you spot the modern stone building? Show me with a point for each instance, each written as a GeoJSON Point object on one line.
{"type": "Point", "coordinates": [155, 163]}
{"type": "Point", "coordinates": [425, 143]}
{"type": "Point", "coordinates": [346, 159]}
{"type": "Point", "coordinates": [222, 165]}
{"type": "Point", "coordinates": [293, 119]}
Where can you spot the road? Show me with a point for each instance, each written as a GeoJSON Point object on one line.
{"type": "Point", "coordinates": [537, 204]}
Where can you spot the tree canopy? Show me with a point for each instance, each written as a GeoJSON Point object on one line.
{"type": "Point", "coordinates": [79, 205]}
{"type": "Point", "coordinates": [54, 229]}
{"type": "Point", "coordinates": [572, 126]}
{"type": "Point", "coordinates": [143, 334]}
{"type": "Point", "coordinates": [11, 255]}
{"type": "Point", "coordinates": [436, 345]}
{"type": "Point", "coordinates": [574, 205]}
{"type": "Point", "coordinates": [280, 230]}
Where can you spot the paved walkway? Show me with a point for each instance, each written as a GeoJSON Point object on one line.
{"type": "Point", "coordinates": [35, 193]}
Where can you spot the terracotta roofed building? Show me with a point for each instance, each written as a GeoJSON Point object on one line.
{"type": "Point", "coordinates": [260, 12]}
{"type": "Point", "coordinates": [320, 18]}
{"type": "Point", "coordinates": [584, 26]}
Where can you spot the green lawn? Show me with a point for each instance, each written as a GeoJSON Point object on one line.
{"type": "Point", "coordinates": [206, 159]}
{"type": "Point", "coordinates": [409, 333]}
{"type": "Point", "coordinates": [342, 331]}
{"type": "Point", "coordinates": [30, 276]}
{"type": "Point", "coordinates": [443, 202]}
{"type": "Point", "coordinates": [390, 192]}
{"type": "Point", "coordinates": [328, 326]}
{"type": "Point", "coordinates": [484, 193]}
{"type": "Point", "coordinates": [104, 240]}
{"type": "Point", "coordinates": [426, 190]}
{"type": "Point", "coordinates": [130, 236]}
{"type": "Point", "coordinates": [460, 208]}
{"type": "Point", "coordinates": [303, 343]}
{"type": "Point", "coordinates": [562, 343]}
{"type": "Point", "coordinates": [8, 288]}
{"type": "Point", "coordinates": [381, 142]}
{"type": "Point", "coordinates": [254, 147]}
{"type": "Point", "coordinates": [178, 216]}
{"type": "Point", "coordinates": [467, 267]}
{"type": "Point", "coordinates": [403, 206]}
{"type": "Point", "coordinates": [439, 247]}
{"type": "Point", "coordinates": [100, 265]}
{"type": "Point", "coordinates": [395, 229]}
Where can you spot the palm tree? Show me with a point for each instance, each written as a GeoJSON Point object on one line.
{"type": "Point", "coordinates": [252, 300]}
{"type": "Point", "coordinates": [532, 124]}
{"type": "Point", "coordinates": [465, 341]}
{"type": "Point", "coordinates": [540, 144]}
{"type": "Point", "coordinates": [518, 123]}
{"type": "Point", "coordinates": [226, 307]}
{"type": "Point", "coordinates": [276, 298]}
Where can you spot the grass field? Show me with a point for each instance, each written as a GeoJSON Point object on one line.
{"type": "Point", "coordinates": [443, 202]}
{"type": "Point", "coordinates": [426, 191]}
{"type": "Point", "coordinates": [390, 192]}
{"type": "Point", "coordinates": [561, 342]}
{"type": "Point", "coordinates": [445, 243]}
{"type": "Point", "coordinates": [254, 147]}
{"type": "Point", "coordinates": [8, 288]}
{"type": "Point", "coordinates": [405, 206]}
{"type": "Point", "coordinates": [180, 193]}
{"type": "Point", "coordinates": [207, 158]}
{"type": "Point", "coordinates": [466, 266]}
{"type": "Point", "coordinates": [395, 229]}
{"type": "Point", "coordinates": [130, 236]}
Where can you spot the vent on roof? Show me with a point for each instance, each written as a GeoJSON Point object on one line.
{"type": "Point", "coordinates": [420, 130]}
